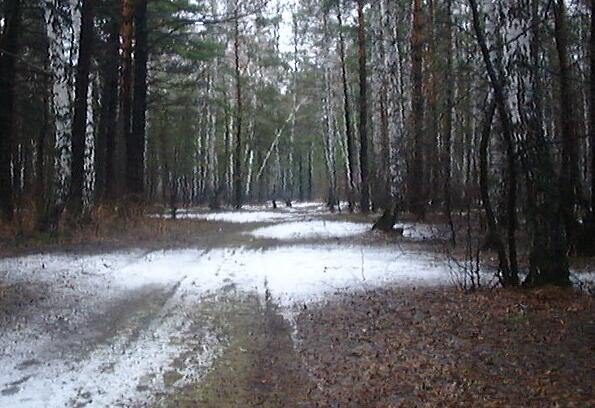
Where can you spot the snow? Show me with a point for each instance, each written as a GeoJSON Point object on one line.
{"type": "Point", "coordinates": [76, 359]}
{"type": "Point", "coordinates": [310, 229]}
{"type": "Point", "coordinates": [422, 232]}
{"type": "Point", "coordinates": [240, 217]}
{"type": "Point", "coordinates": [305, 273]}
{"type": "Point", "coordinates": [252, 213]}
{"type": "Point", "coordinates": [75, 367]}
{"type": "Point", "coordinates": [103, 329]}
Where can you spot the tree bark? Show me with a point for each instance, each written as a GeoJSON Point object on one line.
{"type": "Point", "coordinates": [125, 112]}
{"type": "Point", "coordinates": [363, 109]}
{"type": "Point", "coordinates": [447, 135]}
{"type": "Point", "coordinates": [136, 150]}
{"type": "Point", "coordinates": [592, 135]}
{"type": "Point", "coordinates": [106, 137]}
{"type": "Point", "coordinates": [347, 112]}
{"type": "Point", "coordinates": [9, 48]}
{"type": "Point", "coordinates": [569, 172]}
{"type": "Point", "coordinates": [237, 176]}
{"type": "Point", "coordinates": [417, 176]}
{"type": "Point", "coordinates": [79, 122]}
{"type": "Point", "coordinates": [548, 261]}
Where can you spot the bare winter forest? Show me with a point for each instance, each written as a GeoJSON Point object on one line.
{"type": "Point", "coordinates": [368, 203]}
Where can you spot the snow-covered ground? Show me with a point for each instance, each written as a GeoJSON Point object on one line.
{"type": "Point", "coordinates": [111, 325]}
{"type": "Point", "coordinates": [252, 213]}
{"type": "Point", "coordinates": [108, 330]}
{"type": "Point", "coordinates": [310, 229]}
{"type": "Point", "coordinates": [240, 217]}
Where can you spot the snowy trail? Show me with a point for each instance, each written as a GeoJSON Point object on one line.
{"type": "Point", "coordinates": [122, 329]}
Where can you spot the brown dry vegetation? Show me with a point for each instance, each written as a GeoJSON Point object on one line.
{"type": "Point", "coordinates": [109, 228]}
{"type": "Point", "coordinates": [442, 347]}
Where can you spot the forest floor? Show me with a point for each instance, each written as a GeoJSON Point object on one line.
{"type": "Point", "coordinates": [279, 308]}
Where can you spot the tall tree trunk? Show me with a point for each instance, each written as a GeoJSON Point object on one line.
{"type": "Point", "coordinates": [363, 108]}
{"type": "Point", "coordinates": [350, 160]}
{"type": "Point", "coordinates": [447, 131]}
{"type": "Point", "coordinates": [41, 154]}
{"type": "Point", "coordinates": [136, 154]}
{"type": "Point", "coordinates": [125, 112]}
{"type": "Point", "coordinates": [79, 122]}
{"type": "Point", "coordinates": [237, 174]}
{"type": "Point", "coordinates": [510, 274]}
{"type": "Point", "coordinates": [417, 177]}
{"type": "Point", "coordinates": [592, 136]}
{"type": "Point", "coordinates": [9, 48]}
{"type": "Point", "coordinates": [106, 137]}
{"type": "Point", "coordinates": [329, 130]}
{"type": "Point", "coordinates": [548, 261]}
{"type": "Point", "coordinates": [569, 172]}
{"type": "Point", "coordinates": [291, 181]}
{"type": "Point", "coordinates": [431, 151]}
{"type": "Point", "coordinates": [395, 116]}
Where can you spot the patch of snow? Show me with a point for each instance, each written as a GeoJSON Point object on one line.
{"type": "Point", "coordinates": [239, 217]}
{"type": "Point", "coordinates": [104, 331]}
{"type": "Point", "coordinates": [304, 273]}
{"type": "Point", "coordinates": [422, 232]}
{"type": "Point", "coordinates": [251, 213]}
{"type": "Point", "coordinates": [310, 229]}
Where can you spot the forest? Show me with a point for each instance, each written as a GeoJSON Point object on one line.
{"type": "Point", "coordinates": [276, 203]}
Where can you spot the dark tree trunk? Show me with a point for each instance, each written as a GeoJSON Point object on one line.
{"type": "Point", "coordinates": [126, 35]}
{"type": "Point", "coordinates": [237, 176]}
{"type": "Point", "coordinates": [417, 179]}
{"type": "Point", "coordinates": [136, 154]}
{"type": "Point", "coordinates": [347, 113]}
{"type": "Point", "coordinates": [510, 274]}
{"type": "Point", "coordinates": [9, 48]}
{"type": "Point", "coordinates": [548, 261]}
{"type": "Point", "coordinates": [310, 173]}
{"type": "Point", "coordinates": [363, 108]}
{"type": "Point", "coordinates": [79, 122]}
{"type": "Point", "coordinates": [106, 137]}
{"type": "Point", "coordinates": [592, 114]}
{"type": "Point", "coordinates": [431, 153]}
{"type": "Point", "coordinates": [301, 178]}
{"type": "Point", "coordinates": [41, 175]}
{"type": "Point", "coordinates": [493, 238]}
{"type": "Point", "coordinates": [592, 136]}
{"type": "Point", "coordinates": [447, 150]}
{"type": "Point", "coordinates": [569, 172]}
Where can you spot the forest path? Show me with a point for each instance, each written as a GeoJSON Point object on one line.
{"type": "Point", "coordinates": [211, 324]}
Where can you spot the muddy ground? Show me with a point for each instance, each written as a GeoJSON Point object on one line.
{"type": "Point", "coordinates": [291, 308]}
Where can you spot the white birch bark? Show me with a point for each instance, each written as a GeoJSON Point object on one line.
{"type": "Point", "coordinates": [62, 33]}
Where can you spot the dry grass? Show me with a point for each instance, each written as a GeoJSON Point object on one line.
{"type": "Point", "coordinates": [105, 227]}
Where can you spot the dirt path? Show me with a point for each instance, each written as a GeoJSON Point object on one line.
{"type": "Point", "coordinates": [259, 366]}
